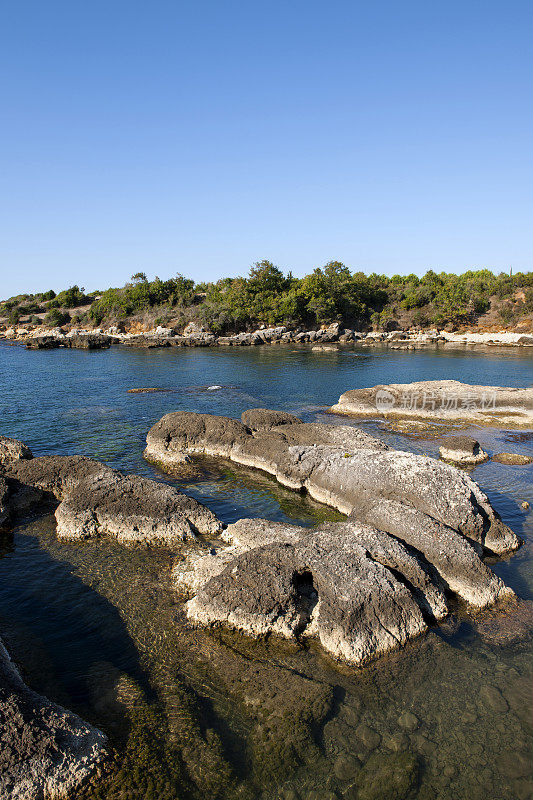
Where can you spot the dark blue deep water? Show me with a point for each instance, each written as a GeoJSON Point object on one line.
{"type": "Point", "coordinates": [206, 715]}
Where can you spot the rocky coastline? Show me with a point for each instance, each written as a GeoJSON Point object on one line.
{"type": "Point", "coordinates": [412, 546]}
{"type": "Point", "coordinates": [416, 533]}
{"type": "Point", "coordinates": [45, 750]}
{"type": "Point", "coordinates": [196, 336]}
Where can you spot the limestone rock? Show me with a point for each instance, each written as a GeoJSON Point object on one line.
{"type": "Point", "coordinates": [462, 450]}
{"type": "Point", "coordinates": [441, 401]}
{"type": "Point", "coordinates": [260, 418]}
{"type": "Point", "coordinates": [88, 341]}
{"type": "Point", "coordinates": [512, 459]}
{"type": "Point", "coordinates": [359, 589]}
{"type": "Point", "coordinates": [96, 499]}
{"type": "Point", "coordinates": [323, 585]}
{"type": "Point", "coordinates": [339, 466]}
{"type": "Point", "coordinates": [13, 450]}
{"type": "Point", "coordinates": [45, 750]}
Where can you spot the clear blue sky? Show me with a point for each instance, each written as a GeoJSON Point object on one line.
{"type": "Point", "coordinates": [202, 136]}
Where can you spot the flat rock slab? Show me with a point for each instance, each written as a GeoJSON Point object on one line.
{"type": "Point", "coordinates": [95, 499]}
{"type": "Point", "coordinates": [340, 466]}
{"type": "Point", "coordinates": [443, 401]}
{"type": "Point", "coordinates": [45, 750]}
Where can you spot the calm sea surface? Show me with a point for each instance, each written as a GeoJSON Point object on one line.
{"type": "Point", "coordinates": [198, 714]}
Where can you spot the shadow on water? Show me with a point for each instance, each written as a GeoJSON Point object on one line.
{"type": "Point", "coordinates": [58, 628]}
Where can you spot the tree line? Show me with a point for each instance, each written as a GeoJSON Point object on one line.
{"type": "Point", "coordinates": [332, 293]}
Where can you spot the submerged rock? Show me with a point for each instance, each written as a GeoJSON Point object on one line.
{"type": "Point", "coordinates": [512, 459]}
{"type": "Point", "coordinates": [95, 499]}
{"type": "Point", "coordinates": [45, 750]}
{"type": "Point", "coordinates": [388, 776]}
{"type": "Point", "coordinates": [443, 401]}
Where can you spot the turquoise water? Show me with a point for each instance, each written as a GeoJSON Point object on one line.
{"type": "Point", "coordinates": [205, 715]}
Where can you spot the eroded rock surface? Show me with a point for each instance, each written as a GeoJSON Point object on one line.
{"type": "Point", "coordinates": [462, 450]}
{"type": "Point", "coordinates": [416, 531]}
{"type": "Point", "coordinates": [340, 466]}
{"type": "Point", "coordinates": [45, 750]}
{"type": "Point", "coordinates": [95, 499]}
{"type": "Point", "coordinates": [443, 401]}
{"type": "Point", "coordinates": [360, 590]}
{"type": "Point", "coordinates": [13, 450]}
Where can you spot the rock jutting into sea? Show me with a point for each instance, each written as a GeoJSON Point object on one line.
{"type": "Point", "coordinates": [95, 499]}
{"type": "Point", "coordinates": [45, 750]}
{"type": "Point", "coordinates": [441, 401]}
{"type": "Point", "coordinates": [416, 531]}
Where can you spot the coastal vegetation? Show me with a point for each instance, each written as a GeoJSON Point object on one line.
{"type": "Point", "coordinates": [268, 296]}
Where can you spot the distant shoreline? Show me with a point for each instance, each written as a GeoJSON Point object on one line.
{"type": "Point", "coordinates": [325, 338]}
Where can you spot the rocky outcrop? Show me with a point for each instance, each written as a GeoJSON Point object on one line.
{"type": "Point", "coordinates": [95, 499]}
{"type": "Point", "coordinates": [45, 750]}
{"type": "Point", "coordinates": [83, 341]}
{"type": "Point", "coordinates": [13, 450]}
{"type": "Point", "coordinates": [11, 499]}
{"type": "Point", "coordinates": [462, 450]}
{"type": "Point", "coordinates": [416, 532]}
{"type": "Point", "coordinates": [258, 419]}
{"type": "Point", "coordinates": [88, 341]}
{"type": "Point", "coordinates": [360, 590]}
{"type": "Point", "coordinates": [441, 401]}
{"type": "Point", "coordinates": [342, 467]}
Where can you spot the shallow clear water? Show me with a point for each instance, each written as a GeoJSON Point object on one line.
{"type": "Point", "coordinates": [203, 715]}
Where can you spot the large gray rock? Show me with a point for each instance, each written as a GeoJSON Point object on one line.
{"type": "Point", "coordinates": [360, 590]}
{"type": "Point", "coordinates": [339, 466]}
{"type": "Point", "coordinates": [441, 401]}
{"type": "Point", "coordinates": [95, 499]}
{"type": "Point", "coordinates": [45, 750]}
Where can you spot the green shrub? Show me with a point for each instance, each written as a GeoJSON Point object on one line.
{"type": "Point", "coordinates": [56, 318]}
